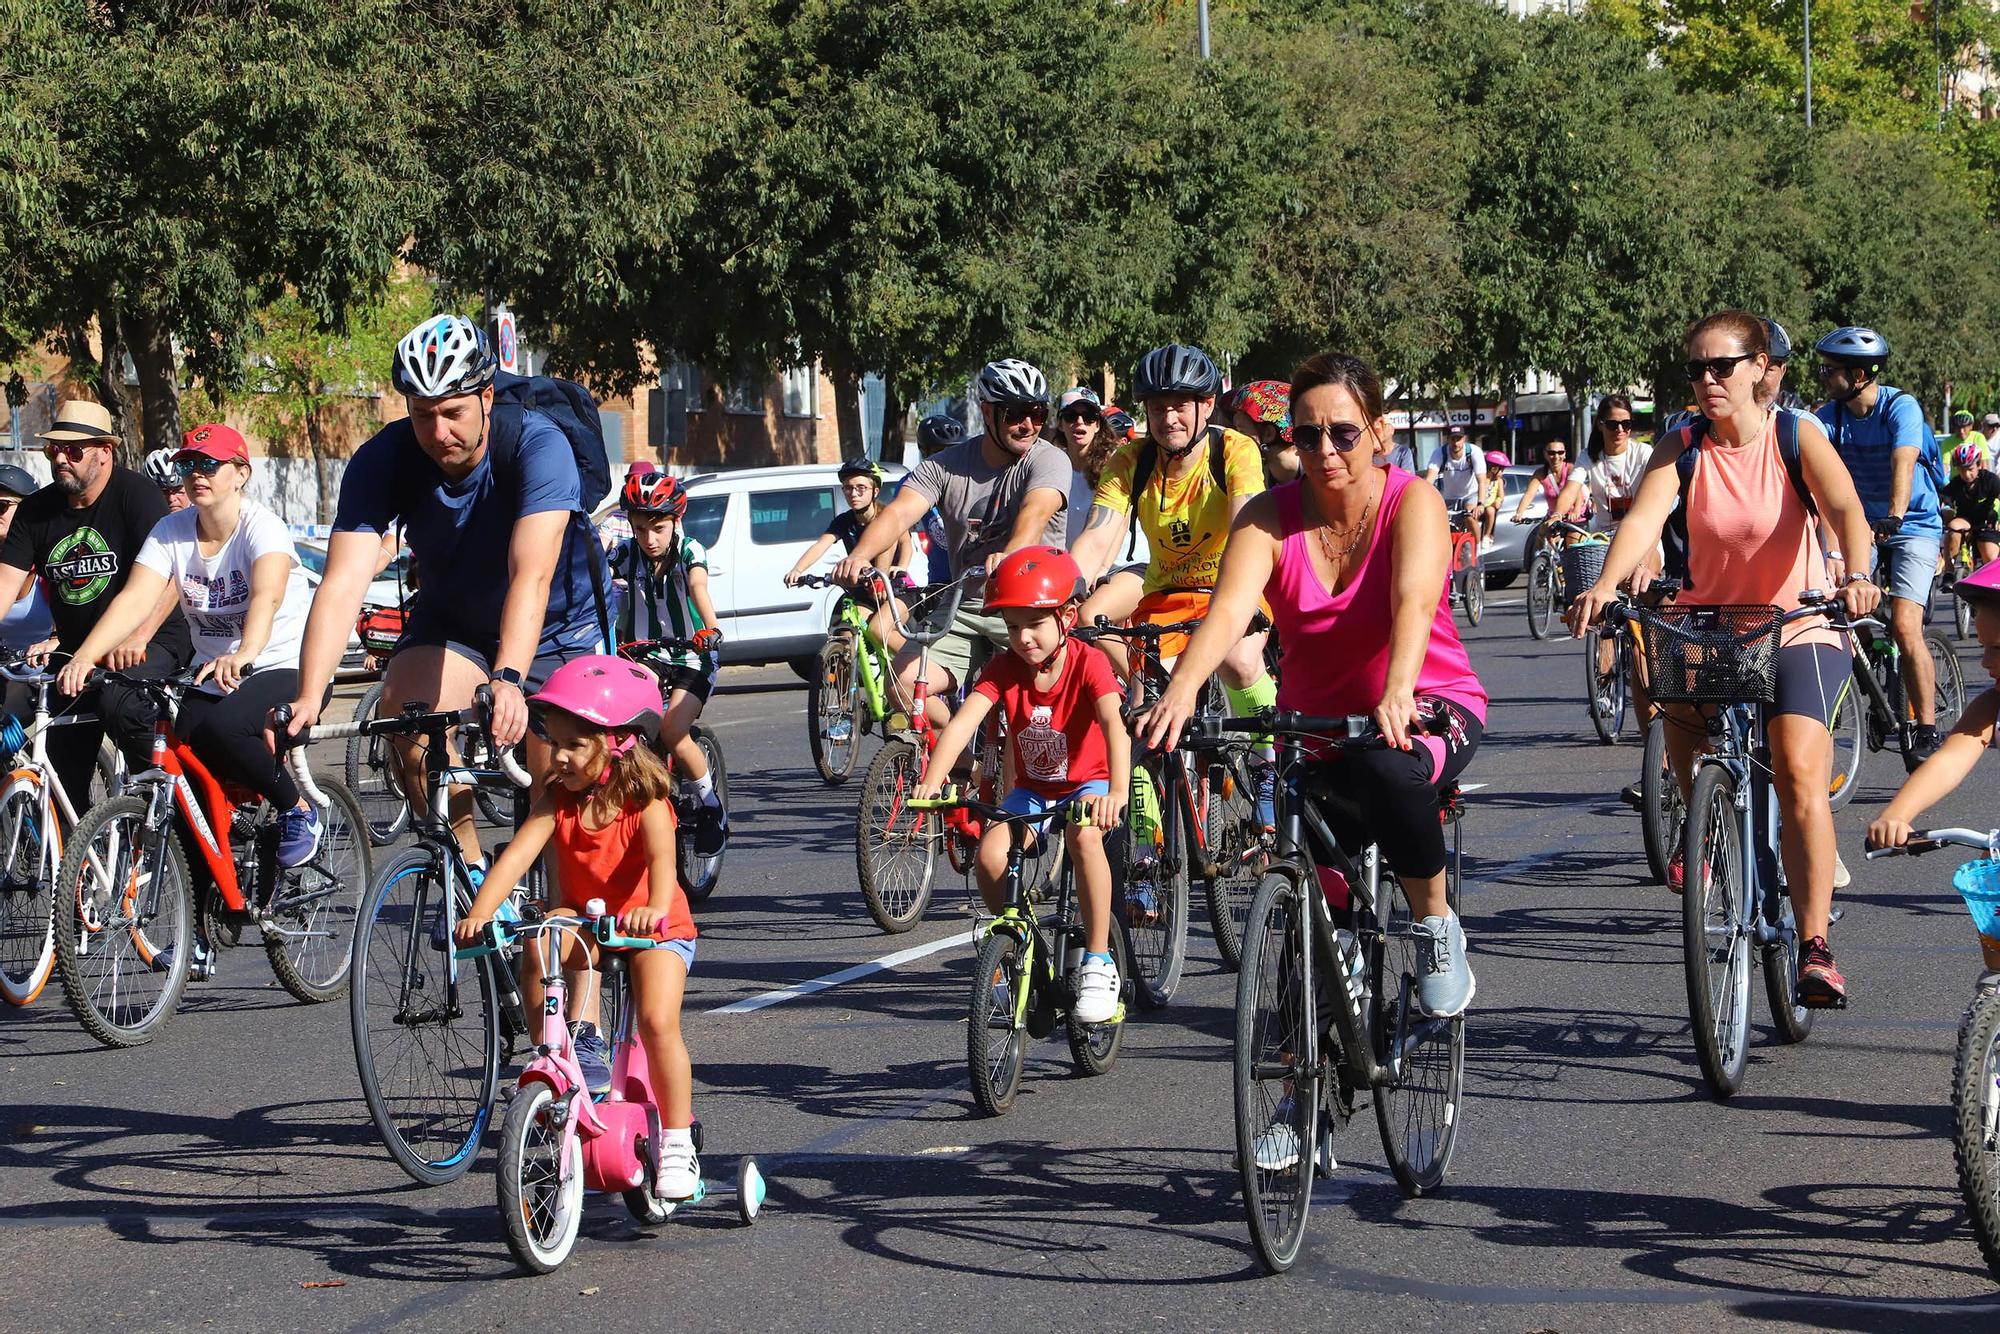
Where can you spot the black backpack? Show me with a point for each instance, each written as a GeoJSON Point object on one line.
{"type": "Point", "coordinates": [1675, 538]}
{"type": "Point", "coordinates": [574, 411]}
{"type": "Point", "coordinates": [1148, 463]}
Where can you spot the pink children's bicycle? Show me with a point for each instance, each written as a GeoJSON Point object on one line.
{"type": "Point", "coordinates": [557, 1142]}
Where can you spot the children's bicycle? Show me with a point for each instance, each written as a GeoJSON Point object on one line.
{"type": "Point", "coordinates": [1024, 975]}
{"type": "Point", "coordinates": [556, 1141]}
{"type": "Point", "coordinates": [698, 875]}
{"type": "Point", "coordinates": [850, 691]}
{"type": "Point", "coordinates": [1467, 577]}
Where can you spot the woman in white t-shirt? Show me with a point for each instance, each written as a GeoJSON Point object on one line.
{"type": "Point", "coordinates": [1613, 478]}
{"type": "Point", "coordinates": [236, 573]}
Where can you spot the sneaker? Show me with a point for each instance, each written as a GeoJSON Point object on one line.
{"type": "Point", "coordinates": [1841, 879]}
{"type": "Point", "coordinates": [1821, 987]}
{"type": "Point", "coordinates": [1096, 991]}
{"type": "Point", "coordinates": [1142, 903]}
{"type": "Point", "coordinates": [680, 1166]}
{"type": "Point", "coordinates": [298, 835]}
{"type": "Point", "coordinates": [1444, 977]}
{"type": "Point", "coordinates": [593, 1057]}
{"type": "Point", "coordinates": [200, 969]}
{"type": "Point", "coordinates": [1677, 863]}
{"type": "Point", "coordinates": [1264, 782]}
{"type": "Point", "coordinates": [711, 831]}
{"type": "Point", "coordinates": [1923, 744]}
{"type": "Point", "coordinates": [1278, 1145]}
{"type": "Point", "coordinates": [1632, 796]}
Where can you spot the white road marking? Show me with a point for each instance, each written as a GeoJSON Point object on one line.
{"type": "Point", "coordinates": [760, 718]}
{"type": "Point", "coordinates": [831, 980]}
{"type": "Point", "coordinates": [1472, 787]}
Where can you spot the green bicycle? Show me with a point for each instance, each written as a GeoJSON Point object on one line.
{"type": "Point", "coordinates": [849, 693]}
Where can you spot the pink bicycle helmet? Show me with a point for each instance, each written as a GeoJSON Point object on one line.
{"type": "Point", "coordinates": [1966, 455]}
{"type": "Point", "coordinates": [1495, 459]}
{"type": "Point", "coordinates": [1982, 585]}
{"type": "Point", "coordinates": [607, 692]}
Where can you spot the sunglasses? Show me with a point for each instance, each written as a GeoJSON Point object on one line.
{"type": "Point", "coordinates": [1719, 367]}
{"type": "Point", "coordinates": [1343, 436]}
{"type": "Point", "coordinates": [1079, 415]}
{"type": "Point", "coordinates": [1024, 412]}
{"type": "Point", "coordinates": [72, 450]}
{"type": "Point", "coordinates": [1619, 424]}
{"type": "Point", "coordinates": [201, 465]}
{"type": "Point", "coordinates": [1826, 370]}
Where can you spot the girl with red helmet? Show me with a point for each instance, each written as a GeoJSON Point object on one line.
{"type": "Point", "coordinates": [661, 575]}
{"type": "Point", "coordinates": [607, 823]}
{"type": "Point", "coordinates": [1066, 742]}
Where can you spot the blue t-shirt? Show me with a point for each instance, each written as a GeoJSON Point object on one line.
{"type": "Point", "coordinates": [1866, 444]}
{"type": "Point", "coordinates": [459, 532]}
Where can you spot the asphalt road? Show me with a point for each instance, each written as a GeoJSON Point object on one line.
{"type": "Point", "coordinates": [226, 1177]}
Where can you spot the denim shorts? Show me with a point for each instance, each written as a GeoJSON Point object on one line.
{"type": "Point", "coordinates": [684, 948]}
{"type": "Point", "coordinates": [1909, 562]}
{"type": "Point", "coordinates": [1023, 802]}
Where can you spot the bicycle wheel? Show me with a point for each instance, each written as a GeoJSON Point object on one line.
{"type": "Point", "coordinates": [309, 923]}
{"type": "Point", "coordinates": [1093, 1047]}
{"type": "Point", "coordinates": [426, 1035]}
{"type": "Point", "coordinates": [832, 725]}
{"type": "Point", "coordinates": [895, 848]}
{"type": "Point", "coordinates": [1475, 591]}
{"type": "Point", "coordinates": [1541, 594]}
{"type": "Point", "coordinates": [125, 930]}
{"type": "Point", "coordinates": [1153, 900]}
{"type": "Point", "coordinates": [1781, 980]}
{"type": "Point", "coordinates": [1233, 843]}
{"type": "Point", "coordinates": [699, 875]}
{"type": "Point", "coordinates": [1661, 809]}
{"type": "Point", "coordinates": [27, 924]}
{"type": "Point", "coordinates": [1604, 691]}
{"type": "Point", "coordinates": [1975, 1116]}
{"type": "Point", "coordinates": [540, 1181]}
{"type": "Point", "coordinates": [1950, 677]}
{"type": "Point", "coordinates": [1850, 745]}
{"type": "Point", "coordinates": [1961, 613]}
{"type": "Point", "coordinates": [1715, 937]}
{"type": "Point", "coordinates": [1417, 1112]}
{"type": "Point", "coordinates": [1275, 1098]}
{"type": "Point", "coordinates": [373, 776]}
{"type": "Point", "coordinates": [996, 1039]}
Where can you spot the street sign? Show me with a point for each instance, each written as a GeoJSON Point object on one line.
{"type": "Point", "coordinates": [507, 344]}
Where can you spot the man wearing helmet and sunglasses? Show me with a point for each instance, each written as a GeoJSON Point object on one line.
{"type": "Point", "coordinates": [996, 494]}
{"type": "Point", "coordinates": [485, 495]}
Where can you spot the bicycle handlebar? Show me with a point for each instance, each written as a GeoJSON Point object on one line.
{"type": "Point", "coordinates": [952, 799]}
{"type": "Point", "coordinates": [600, 926]}
{"type": "Point", "coordinates": [1355, 731]}
{"type": "Point", "coordinates": [479, 718]}
{"type": "Point", "coordinates": [1930, 840]}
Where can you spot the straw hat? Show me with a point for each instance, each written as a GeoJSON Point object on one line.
{"type": "Point", "coordinates": [81, 419]}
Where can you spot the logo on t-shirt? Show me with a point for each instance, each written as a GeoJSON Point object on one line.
{"type": "Point", "coordinates": [80, 566]}
{"type": "Point", "coordinates": [1041, 749]}
{"type": "Point", "coordinates": [1180, 533]}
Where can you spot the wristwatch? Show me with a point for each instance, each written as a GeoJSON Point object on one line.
{"type": "Point", "coordinates": [508, 676]}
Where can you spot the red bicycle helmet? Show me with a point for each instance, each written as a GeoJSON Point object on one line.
{"type": "Point", "coordinates": [1040, 577]}
{"type": "Point", "coordinates": [653, 492]}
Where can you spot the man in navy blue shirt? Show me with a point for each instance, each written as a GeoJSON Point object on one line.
{"type": "Point", "coordinates": [485, 495]}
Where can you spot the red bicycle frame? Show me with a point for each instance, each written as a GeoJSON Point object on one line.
{"type": "Point", "coordinates": [207, 812]}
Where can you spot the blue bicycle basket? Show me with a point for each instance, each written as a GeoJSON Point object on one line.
{"type": "Point", "coordinates": [1978, 883]}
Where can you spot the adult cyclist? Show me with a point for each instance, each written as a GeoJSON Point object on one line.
{"type": "Point", "coordinates": [161, 469]}
{"type": "Point", "coordinates": [1879, 433]}
{"type": "Point", "coordinates": [480, 489]}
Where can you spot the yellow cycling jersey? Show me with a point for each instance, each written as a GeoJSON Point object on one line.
{"type": "Point", "coordinates": [1186, 522]}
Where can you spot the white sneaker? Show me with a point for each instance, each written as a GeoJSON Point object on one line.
{"type": "Point", "coordinates": [1278, 1148]}
{"type": "Point", "coordinates": [1096, 992]}
{"type": "Point", "coordinates": [680, 1168]}
{"type": "Point", "coordinates": [1841, 879]}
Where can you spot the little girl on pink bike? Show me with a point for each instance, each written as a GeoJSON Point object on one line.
{"type": "Point", "coordinates": [606, 818]}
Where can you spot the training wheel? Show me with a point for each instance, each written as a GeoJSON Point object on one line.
{"type": "Point", "coordinates": [749, 1190]}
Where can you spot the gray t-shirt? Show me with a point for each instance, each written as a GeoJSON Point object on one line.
{"type": "Point", "coordinates": [979, 502]}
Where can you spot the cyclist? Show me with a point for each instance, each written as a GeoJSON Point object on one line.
{"type": "Point", "coordinates": [1605, 490]}
{"type": "Point", "coordinates": [1972, 508]}
{"type": "Point", "coordinates": [1879, 433]}
{"type": "Point", "coordinates": [1352, 559]}
{"type": "Point", "coordinates": [861, 484]}
{"type": "Point", "coordinates": [998, 493]}
{"type": "Point", "coordinates": [1751, 539]}
{"type": "Point", "coordinates": [1772, 391]}
{"type": "Point", "coordinates": [1080, 422]}
{"type": "Point", "coordinates": [1185, 485]}
{"type": "Point", "coordinates": [159, 465]}
{"type": "Point", "coordinates": [1261, 410]}
{"type": "Point", "coordinates": [81, 533]}
{"type": "Point", "coordinates": [1459, 474]}
{"type": "Point", "coordinates": [1967, 434]}
{"type": "Point", "coordinates": [1492, 497]}
{"type": "Point", "coordinates": [1550, 481]}
{"type": "Point", "coordinates": [485, 493]}
{"type": "Point", "coordinates": [665, 574]}
{"type": "Point", "coordinates": [26, 622]}
{"type": "Point", "coordinates": [1066, 742]}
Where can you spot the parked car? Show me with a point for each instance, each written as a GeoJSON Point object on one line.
{"type": "Point", "coordinates": [385, 591]}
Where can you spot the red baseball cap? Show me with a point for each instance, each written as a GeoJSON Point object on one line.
{"type": "Point", "coordinates": [215, 441]}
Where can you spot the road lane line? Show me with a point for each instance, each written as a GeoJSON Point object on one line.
{"type": "Point", "coordinates": [760, 718]}
{"type": "Point", "coordinates": [831, 980]}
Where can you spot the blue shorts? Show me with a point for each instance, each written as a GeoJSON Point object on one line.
{"type": "Point", "coordinates": [684, 948]}
{"type": "Point", "coordinates": [1023, 802]}
{"type": "Point", "coordinates": [1909, 564]}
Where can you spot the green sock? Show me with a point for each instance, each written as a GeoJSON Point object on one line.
{"type": "Point", "coordinates": [1261, 693]}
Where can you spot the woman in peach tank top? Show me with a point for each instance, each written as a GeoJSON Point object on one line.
{"type": "Point", "coordinates": [1750, 539]}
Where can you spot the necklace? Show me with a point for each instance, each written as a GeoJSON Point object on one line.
{"type": "Point", "coordinates": [1324, 531]}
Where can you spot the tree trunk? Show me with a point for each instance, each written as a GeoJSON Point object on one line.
{"type": "Point", "coordinates": [159, 380]}
{"type": "Point", "coordinates": [892, 424]}
{"type": "Point", "coordinates": [847, 408]}
{"type": "Point", "coordinates": [316, 447]}
{"type": "Point", "coordinates": [112, 391]}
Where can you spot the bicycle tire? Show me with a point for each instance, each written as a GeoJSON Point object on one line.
{"type": "Point", "coordinates": [1713, 931]}
{"type": "Point", "coordinates": [1093, 1048]}
{"type": "Point", "coordinates": [1975, 1089]}
{"type": "Point", "coordinates": [1274, 1002]}
{"type": "Point", "coordinates": [1850, 745]}
{"type": "Point", "coordinates": [104, 929]}
{"type": "Point", "coordinates": [895, 849]}
{"type": "Point", "coordinates": [1961, 614]}
{"type": "Point", "coordinates": [324, 898]}
{"type": "Point", "coordinates": [1604, 697]}
{"type": "Point", "coordinates": [540, 1182]}
{"type": "Point", "coordinates": [1157, 935]}
{"type": "Point", "coordinates": [700, 875]}
{"type": "Point", "coordinates": [830, 700]}
{"type": "Point", "coordinates": [1661, 809]}
{"type": "Point", "coordinates": [1793, 1021]}
{"type": "Point", "coordinates": [1475, 591]}
{"type": "Point", "coordinates": [27, 899]}
{"type": "Point", "coordinates": [373, 777]}
{"type": "Point", "coordinates": [428, 1054]}
{"type": "Point", "coordinates": [1541, 594]}
{"type": "Point", "coordinates": [996, 1041]}
{"type": "Point", "coordinates": [1949, 694]}
{"type": "Point", "coordinates": [1232, 836]}
{"type": "Point", "coordinates": [1417, 1113]}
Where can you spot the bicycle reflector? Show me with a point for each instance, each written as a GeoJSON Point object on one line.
{"type": "Point", "coordinates": [1978, 883]}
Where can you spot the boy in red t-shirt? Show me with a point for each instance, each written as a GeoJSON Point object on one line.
{"type": "Point", "coordinates": [1067, 742]}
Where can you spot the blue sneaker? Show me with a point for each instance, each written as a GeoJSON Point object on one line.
{"type": "Point", "coordinates": [1264, 783]}
{"type": "Point", "coordinates": [298, 835]}
{"type": "Point", "coordinates": [593, 1057]}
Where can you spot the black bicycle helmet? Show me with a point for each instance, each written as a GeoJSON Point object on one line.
{"type": "Point", "coordinates": [862, 468]}
{"type": "Point", "coordinates": [1176, 369]}
{"type": "Point", "coordinates": [1855, 345]}
{"type": "Point", "coordinates": [939, 432]}
{"type": "Point", "coordinates": [1011, 381]}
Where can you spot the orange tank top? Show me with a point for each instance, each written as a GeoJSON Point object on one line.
{"type": "Point", "coordinates": [1750, 539]}
{"type": "Point", "coordinates": [610, 864]}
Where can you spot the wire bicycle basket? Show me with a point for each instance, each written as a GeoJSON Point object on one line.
{"type": "Point", "coordinates": [1713, 655]}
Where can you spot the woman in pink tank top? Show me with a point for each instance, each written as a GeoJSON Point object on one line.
{"type": "Point", "coordinates": [1352, 558]}
{"type": "Point", "coordinates": [1751, 539]}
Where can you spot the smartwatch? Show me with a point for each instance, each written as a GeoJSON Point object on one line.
{"type": "Point", "coordinates": [508, 676]}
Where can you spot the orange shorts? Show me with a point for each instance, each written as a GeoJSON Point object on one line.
{"type": "Point", "coordinates": [1177, 604]}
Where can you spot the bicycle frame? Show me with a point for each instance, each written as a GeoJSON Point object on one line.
{"type": "Point", "coordinates": [1744, 749]}
{"type": "Point", "coordinates": [55, 813]}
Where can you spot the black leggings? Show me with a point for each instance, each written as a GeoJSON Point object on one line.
{"type": "Point", "coordinates": [1390, 797]}
{"type": "Point", "coordinates": [227, 732]}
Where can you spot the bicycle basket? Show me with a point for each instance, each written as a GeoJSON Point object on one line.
{"type": "Point", "coordinates": [1978, 883]}
{"type": "Point", "coordinates": [1713, 655]}
{"type": "Point", "coordinates": [1582, 562]}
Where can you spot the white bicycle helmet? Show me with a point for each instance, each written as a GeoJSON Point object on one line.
{"type": "Point", "coordinates": [159, 466]}
{"type": "Point", "coordinates": [1855, 345]}
{"type": "Point", "coordinates": [443, 357]}
{"type": "Point", "coordinates": [1011, 380]}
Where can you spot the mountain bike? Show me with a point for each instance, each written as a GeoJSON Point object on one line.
{"type": "Point", "coordinates": [850, 690]}
{"type": "Point", "coordinates": [1889, 712]}
{"type": "Point", "coordinates": [1467, 576]}
{"type": "Point", "coordinates": [698, 875]}
{"type": "Point", "coordinates": [126, 951]}
{"type": "Point", "coordinates": [1325, 1000]}
{"type": "Point", "coordinates": [1024, 975]}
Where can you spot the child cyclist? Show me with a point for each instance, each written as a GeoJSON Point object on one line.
{"type": "Point", "coordinates": [1066, 740]}
{"type": "Point", "coordinates": [1975, 732]}
{"type": "Point", "coordinates": [665, 578]}
{"type": "Point", "coordinates": [609, 829]}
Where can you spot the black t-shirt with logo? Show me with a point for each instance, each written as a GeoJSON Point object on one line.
{"type": "Point", "coordinates": [84, 555]}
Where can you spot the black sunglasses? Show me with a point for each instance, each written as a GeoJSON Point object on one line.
{"type": "Point", "coordinates": [200, 464]}
{"type": "Point", "coordinates": [1720, 367]}
{"type": "Point", "coordinates": [1619, 423]}
{"type": "Point", "coordinates": [1022, 412]}
{"type": "Point", "coordinates": [1080, 414]}
{"type": "Point", "coordinates": [1343, 436]}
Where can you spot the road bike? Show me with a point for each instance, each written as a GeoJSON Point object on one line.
{"type": "Point", "coordinates": [1024, 974]}
{"type": "Point", "coordinates": [1325, 999]}
{"type": "Point", "coordinates": [699, 875]}
{"type": "Point", "coordinates": [127, 949]}
{"type": "Point", "coordinates": [557, 1141]}
{"type": "Point", "coordinates": [850, 691]}
{"type": "Point", "coordinates": [1467, 578]}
